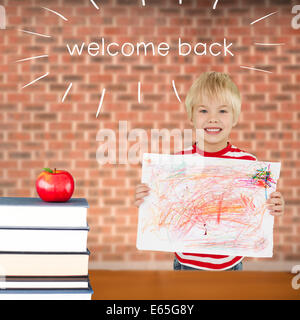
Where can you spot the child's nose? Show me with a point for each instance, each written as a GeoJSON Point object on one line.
{"type": "Point", "coordinates": [213, 119]}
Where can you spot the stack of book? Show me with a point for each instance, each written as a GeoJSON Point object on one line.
{"type": "Point", "coordinates": [43, 249]}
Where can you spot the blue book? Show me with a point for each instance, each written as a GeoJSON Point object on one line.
{"type": "Point", "coordinates": [30, 212]}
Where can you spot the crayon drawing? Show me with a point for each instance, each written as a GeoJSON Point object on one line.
{"type": "Point", "coordinates": [207, 205]}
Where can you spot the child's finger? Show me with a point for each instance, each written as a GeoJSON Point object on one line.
{"type": "Point", "coordinates": [275, 194]}
{"type": "Point", "coordinates": [141, 187]}
{"type": "Point", "coordinates": [274, 201]}
{"type": "Point", "coordinates": [275, 207]}
{"type": "Point", "coordinates": [137, 203]}
{"type": "Point", "coordinates": [276, 213]}
{"type": "Point", "coordinates": [140, 190]}
{"type": "Point", "coordinates": [142, 184]}
{"type": "Point", "coordinates": [141, 195]}
{"type": "Point", "coordinates": [278, 208]}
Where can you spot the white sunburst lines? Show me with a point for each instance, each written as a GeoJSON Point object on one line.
{"type": "Point", "coordinates": [35, 33]}
{"type": "Point", "coordinates": [262, 18]}
{"type": "Point", "coordinates": [175, 90]}
{"type": "Point", "coordinates": [101, 102]}
{"type": "Point", "coordinates": [179, 2]}
{"type": "Point", "coordinates": [215, 4]}
{"type": "Point", "coordinates": [66, 92]}
{"type": "Point", "coordinates": [262, 44]}
{"type": "Point", "coordinates": [139, 91]}
{"type": "Point", "coordinates": [94, 4]}
{"type": "Point", "coordinates": [268, 44]}
{"type": "Point", "coordinates": [255, 69]}
{"type": "Point", "coordinates": [55, 12]}
{"type": "Point", "coordinates": [138, 94]}
{"type": "Point", "coordinates": [33, 58]}
{"type": "Point", "coordinates": [35, 80]}
{"type": "Point", "coordinates": [45, 55]}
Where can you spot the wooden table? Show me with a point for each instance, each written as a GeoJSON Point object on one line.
{"type": "Point", "coordinates": [191, 285]}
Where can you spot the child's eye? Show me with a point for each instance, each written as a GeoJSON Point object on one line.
{"type": "Point", "coordinates": [223, 111]}
{"type": "Point", "coordinates": [202, 111]}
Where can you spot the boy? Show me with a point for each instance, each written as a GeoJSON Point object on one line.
{"type": "Point", "coordinates": [213, 104]}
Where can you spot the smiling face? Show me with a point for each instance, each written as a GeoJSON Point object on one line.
{"type": "Point", "coordinates": [216, 118]}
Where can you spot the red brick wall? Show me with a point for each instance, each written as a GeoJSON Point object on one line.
{"type": "Point", "coordinates": [38, 130]}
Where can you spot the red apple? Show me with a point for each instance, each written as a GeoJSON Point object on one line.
{"type": "Point", "coordinates": [55, 185]}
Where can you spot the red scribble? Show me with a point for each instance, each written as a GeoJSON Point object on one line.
{"type": "Point", "coordinates": [216, 207]}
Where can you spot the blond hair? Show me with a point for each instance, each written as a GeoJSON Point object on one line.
{"type": "Point", "coordinates": [214, 85]}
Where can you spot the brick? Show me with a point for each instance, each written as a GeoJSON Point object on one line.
{"type": "Point", "coordinates": [60, 126]}
{"type": "Point", "coordinates": [112, 257]}
{"type": "Point", "coordinates": [33, 126]}
{"type": "Point", "coordinates": [38, 130]}
{"type": "Point", "coordinates": [281, 115]}
{"type": "Point", "coordinates": [265, 126]}
{"type": "Point", "coordinates": [140, 256]}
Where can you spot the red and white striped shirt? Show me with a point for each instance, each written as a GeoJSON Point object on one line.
{"type": "Point", "coordinates": [212, 261]}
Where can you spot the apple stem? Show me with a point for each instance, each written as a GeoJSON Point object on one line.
{"type": "Point", "coordinates": [54, 170]}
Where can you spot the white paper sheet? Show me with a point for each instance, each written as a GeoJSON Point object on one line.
{"type": "Point", "coordinates": [207, 205]}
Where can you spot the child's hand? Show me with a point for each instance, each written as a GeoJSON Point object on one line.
{"type": "Point", "coordinates": [275, 204]}
{"type": "Point", "coordinates": [141, 191]}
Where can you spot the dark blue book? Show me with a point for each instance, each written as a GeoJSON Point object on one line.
{"type": "Point", "coordinates": [34, 282]}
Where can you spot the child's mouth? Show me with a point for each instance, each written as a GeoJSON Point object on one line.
{"type": "Point", "coordinates": [213, 131]}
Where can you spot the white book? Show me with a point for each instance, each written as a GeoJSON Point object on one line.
{"type": "Point", "coordinates": [34, 212]}
{"type": "Point", "coordinates": [43, 239]}
{"type": "Point", "coordinates": [44, 264]}
{"type": "Point", "coordinates": [46, 294]}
